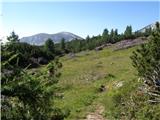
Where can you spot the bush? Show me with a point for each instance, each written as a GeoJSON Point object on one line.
{"type": "Point", "coordinates": [147, 62]}
{"type": "Point", "coordinates": [26, 96]}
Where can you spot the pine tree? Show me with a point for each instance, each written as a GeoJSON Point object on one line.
{"type": "Point", "coordinates": [49, 45]}
{"type": "Point", "coordinates": [29, 97]}
{"type": "Point", "coordinates": [63, 45]}
{"type": "Point", "coordinates": [49, 49]}
{"type": "Point", "coordinates": [115, 36]}
{"type": "Point", "coordinates": [128, 32]}
{"type": "Point", "coordinates": [13, 38]}
{"type": "Point", "coordinates": [148, 31]}
{"type": "Point", "coordinates": [147, 61]}
{"type": "Point", "coordinates": [105, 35]}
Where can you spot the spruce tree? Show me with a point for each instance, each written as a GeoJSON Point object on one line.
{"type": "Point", "coordinates": [105, 35]}
{"type": "Point", "coordinates": [128, 32]}
{"type": "Point", "coordinates": [63, 46]}
{"type": "Point", "coordinates": [146, 60]}
{"type": "Point", "coordinates": [13, 37]}
{"type": "Point", "coordinates": [49, 45]}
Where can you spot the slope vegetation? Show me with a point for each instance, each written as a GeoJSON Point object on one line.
{"type": "Point", "coordinates": [84, 74]}
{"type": "Point", "coordinates": [102, 85]}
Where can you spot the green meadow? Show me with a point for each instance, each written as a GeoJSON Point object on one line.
{"type": "Point", "coordinates": [83, 74]}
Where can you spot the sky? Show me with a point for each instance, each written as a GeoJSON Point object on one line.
{"type": "Point", "coordinates": [81, 18]}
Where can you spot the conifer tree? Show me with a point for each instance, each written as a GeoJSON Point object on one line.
{"type": "Point", "coordinates": [146, 60]}
{"type": "Point", "coordinates": [63, 46]}
{"type": "Point", "coordinates": [105, 35]}
{"type": "Point", "coordinates": [128, 32]}
{"type": "Point", "coordinates": [29, 97]}
{"type": "Point", "coordinates": [49, 45]}
{"type": "Point", "coordinates": [13, 37]}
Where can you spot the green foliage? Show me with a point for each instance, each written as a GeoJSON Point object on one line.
{"type": "Point", "coordinates": [138, 34]}
{"type": "Point", "coordinates": [146, 60]}
{"type": "Point", "coordinates": [148, 31]}
{"type": "Point", "coordinates": [49, 45]}
{"type": "Point", "coordinates": [63, 46]}
{"type": "Point", "coordinates": [105, 35]}
{"type": "Point", "coordinates": [26, 96]}
{"type": "Point", "coordinates": [28, 54]}
{"type": "Point", "coordinates": [128, 32]}
{"type": "Point", "coordinates": [114, 37]}
{"type": "Point", "coordinates": [29, 96]}
{"type": "Point", "coordinates": [17, 48]}
{"type": "Point", "coordinates": [13, 38]}
{"type": "Point", "coordinates": [49, 49]}
{"type": "Point", "coordinates": [135, 104]}
{"type": "Point", "coordinates": [90, 43]}
{"type": "Point", "coordinates": [149, 112]}
{"type": "Point", "coordinates": [82, 78]}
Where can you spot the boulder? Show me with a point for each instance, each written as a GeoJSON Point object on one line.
{"type": "Point", "coordinates": [99, 48]}
{"type": "Point", "coordinates": [42, 60]}
{"type": "Point", "coordinates": [71, 55]}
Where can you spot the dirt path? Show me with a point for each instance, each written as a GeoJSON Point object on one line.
{"type": "Point", "coordinates": [97, 115]}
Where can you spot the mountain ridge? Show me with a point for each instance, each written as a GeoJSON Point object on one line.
{"type": "Point", "coordinates": [40, 38]}
{"type": "Point", "coordinates": [152, 26]}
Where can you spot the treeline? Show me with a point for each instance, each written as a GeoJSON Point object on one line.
{"type": "Point", "coordinates": [90, 43]}
{"type": "Point", "coordinates": [28, 54]}
{"type": "Point", "coordinates": [35, 55]}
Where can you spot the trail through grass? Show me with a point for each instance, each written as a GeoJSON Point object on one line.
{"type": "Point", "coordinates": [83, 75]}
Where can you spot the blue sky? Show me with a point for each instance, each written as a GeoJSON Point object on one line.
{"type": "Point", "coordinates": [81, 18]}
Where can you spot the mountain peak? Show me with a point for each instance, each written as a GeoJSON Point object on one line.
{"type": "Point", "coordinates": [40, 38]}
{"type": "Point", "coordinates": [152, 26]}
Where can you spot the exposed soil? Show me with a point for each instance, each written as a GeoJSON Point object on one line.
{"type": "Point", "coordinates": [97, 114]}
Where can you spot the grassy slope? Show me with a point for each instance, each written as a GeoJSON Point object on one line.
{"type": "Point", "coordinates": [83, 75]}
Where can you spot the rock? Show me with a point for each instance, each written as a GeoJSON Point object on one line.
{"type": "Point", "coordinates": [102, 88]}
{"type": "Point", "coordinates": [102, 46]}
{"type": "Point", "coordinates": [71, 55]}
{"type": "Point", "coordinates": [128, 43]}
{"type": "Point", "coordinates": [42, 60]}
{"type": "Point", "coordinates": [119, 84]}
{"type": "Point", "coordinates": [39, 60]}
{"type": "Point", "coordinates": [99, 48]}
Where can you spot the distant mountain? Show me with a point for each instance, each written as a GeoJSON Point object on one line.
{"type": "Point", "coordinates": [152, 26]}
{"type": "Point", "coordinates": [39, 39]}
